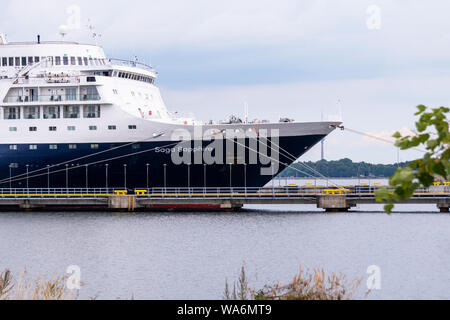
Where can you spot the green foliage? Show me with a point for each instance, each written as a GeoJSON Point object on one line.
{"type": "Point", "coordinates": [434, 137]}
{"type": "Point", "coordinates": [344, 168]}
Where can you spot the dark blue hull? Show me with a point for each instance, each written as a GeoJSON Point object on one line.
{"type": "Point", "coordinates": [141, 170]}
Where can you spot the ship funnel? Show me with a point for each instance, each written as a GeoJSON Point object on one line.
{"type": "Point", "coordinates": [3, 39]}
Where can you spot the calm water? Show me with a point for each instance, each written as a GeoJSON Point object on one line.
{"type": "Point", "coordinates": [189, 256]}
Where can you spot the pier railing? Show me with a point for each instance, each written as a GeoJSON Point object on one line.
{"type": "Point", "coordinates": [211, 192]}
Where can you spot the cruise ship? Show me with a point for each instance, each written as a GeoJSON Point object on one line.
{"type": "Point", "coordinates": [71, 117]}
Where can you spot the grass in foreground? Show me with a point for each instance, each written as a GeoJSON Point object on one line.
{"type": "Point", "coordinates": [41, 289]}
{"type": "Point", "coordinates": [315, 285]}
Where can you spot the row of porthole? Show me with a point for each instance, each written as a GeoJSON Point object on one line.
{"type": "Point", "coordinates": [72, 128]}
{"type": "Point", "coordinates": [51, 146]}
{"type": "Point", "coordinates": [70, 146]}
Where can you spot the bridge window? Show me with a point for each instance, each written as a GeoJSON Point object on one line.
{"type": "Point", "coordinates": [92, 128]}
{"type": "Point", "coordinates": [112, 128]}
{"type": "Point", "coordinates": [11, 61]}
{"type": "Point", "coordinates": [132, 127]}
{"type": "Point", "coordinates": [58, 61]}
{"type": "Point", "coordinates": [51, 112]}
{"type": "Point", "coordinates": [31, 112]}
{"type": "Point", "coordinates": [66, 60]}
{"type": "Point", "coordinates": [73, 61]}
{"type": "Point", "coordinates": [91, 112]}
{"type": "Point", "coordinates": [51, 128]}
{"type": "Point", "coordinates": [12, 113]}
{"type": "Point", "coordinates": [71, 112]}
{"type": "Point", "coordinates": [80, 61]}
{"type": "Point", "coordinates": [33, 129]}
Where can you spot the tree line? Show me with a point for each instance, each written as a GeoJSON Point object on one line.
{"type": "Point", "coordinates": [344, 168]}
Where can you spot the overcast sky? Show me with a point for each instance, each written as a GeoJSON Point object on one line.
{"type": "Point", "coordinates": [286, 58]}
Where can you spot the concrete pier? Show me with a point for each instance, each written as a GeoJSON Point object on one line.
{"type": "Point", "coordinates": [334, 200]}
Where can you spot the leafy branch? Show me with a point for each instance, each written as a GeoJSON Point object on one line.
{"type": "Point", "coordinates": [432, 134]}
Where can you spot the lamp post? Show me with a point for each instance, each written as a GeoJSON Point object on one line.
{"type": "Point", "coordinates": [48, 178]}
{"type": "Point", "coordinates": [189, 176]}
{"type": "Point", "coordinates": [10, 177]}
{"type": "Point", "coordinates": [67, 176]}
{"type": "Point", "coordinates": [125, 175]}
{"type": "Point", "coordinates": [204, 177]}
{"type": "Point", "coordinates": [27, 176]}
{"type": "Point", "coordinates": [165, 177]}
{"type": "Point", "coordinates": [106, 177]}
{"type": "Point", "coordinates": [231, 179]}
{"type": "Point", "coordinates": [245, 178]}
{"type": "Point", "coordinates": [147, 165]}
{"type": "Point", "coordinates": [87, 177]}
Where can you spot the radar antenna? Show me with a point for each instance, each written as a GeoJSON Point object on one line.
{"type": "Point", "coordinates": [92, 31]}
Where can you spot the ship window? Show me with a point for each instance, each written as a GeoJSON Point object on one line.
{"type": "Point", "coordinates": [112, 128]}
{"type": "Point", "coordinates": [89, 93]}
{"type": "Point", "coordinates": [73, 61]}
{"type": "Point", "coordinates": [91, 112]}
{"type": "Point", "coordinates": [92, 128]}
{"type": "Point", "coordinates": [36, 59]}
{"type": "Point", "coordinates": [58, 61]}
{"type": "Point", "coordinates": [53, 147]}
{"type": "Point", "coordinates": [72, 146]}
{"type": "Point", "coordinates": [13, 129]}
{"type": "Point", "coordinates": [51, 112]}
{"type": "Point", "coordinates": [71, 128]}
{"type": "Point", "coordinates": [11, 61]}
{"type": "Point", "coordinates": [80, 61]}
{"type": "Point", "coordinates": [33, 129]}
{"type": "Point", "coordinates": [33, 147]}
{"type": "Point", "coordinates": [4, 62]}
{"type": "Point", "coordinates": [13, 147]}
{"type": "Point", "coordinates": [31, 112]}
{"type": "Point", "coordinates": [51, 128]}
{"type": "Point", "coordinates": [30, 60]}
{"type": "Point", "coordinates": [71, 112]}
{"type": "Point", "coordinates": [24, 61]}
{"type": "Point", "coordinates": [132, 127]}
{"type": "Point", "coordinates": [12, 113]}
{"type": "Point", "coordinates": [94, 146]}
{"type": "Point", "coordinates": [90, 79]}
{"type": "Point", "coordinates": [91, 62]}
{"type": "Point", "coordinates": [85, 61]}
{"type": "Point", "coordinates": [66, 60]}
{"type": "Point", "coordinates": [71, 94]}
{"type": "Point", "coordinates": [17, 62]}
